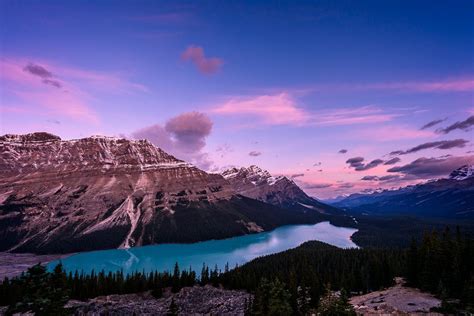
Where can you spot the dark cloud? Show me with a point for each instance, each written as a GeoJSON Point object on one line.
{"type": "Point", "coordinates": [358, 163]}
{"type": "Point", "coordinates": [355, 161]}
{"type": "Point", "coordinates": [442, 144]}
{"type": "Point", "coordinates": [53, 83]}
{"type": "Point", "coordinates": [396, 152]}
{"type": "Point", "coordinates": [382, 178]}
{"type": "Point", "coordinates": [297, 175]}
{"type": "Point", "coordinates": [370, 165]}
{"type": "Point", "coordinates": [342, 151]}
{"type": "Point", "coordinates": [427, 168]}
{"type": "Point", "coordinates": [370, 178]}
{"type": "Point", "coordinates": [38, 70]}
{"type": "Point", "coordinates": [310, 186]}
{"type": "Point", "coordinates": [432, 123]}
{"type": "Point", "coordinates": [43, 73]}
{"type": "Point", "coordinates": [183, 136]}
{"type": "Point", "coordinates": [390, 177]}
{"type": "Point", "coordinates": [255, 153]}
{"type": "Point", "coordinates": [317, 164]}
{"type": "Point", "coordinates": [346, 185]}
{"type": "Point", "coordinates": [392, 161]}
{"type": "Point", "coordinates": [462, 125]}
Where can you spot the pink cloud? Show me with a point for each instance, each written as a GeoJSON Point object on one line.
{"type": "Point", "coordinates": [282, 109]}
{"type": "Point", "coordinates": [206, 65]}
{"type": "Point", "coordinates": [276, 109]}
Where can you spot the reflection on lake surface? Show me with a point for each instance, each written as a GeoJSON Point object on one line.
{"type": "Point", "coordinates": [236, 250]}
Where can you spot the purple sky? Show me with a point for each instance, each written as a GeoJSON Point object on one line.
{"type": "Point", "coordinates": [341, 95]}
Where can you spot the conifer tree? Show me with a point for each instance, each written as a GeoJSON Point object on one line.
{"type": "Point", "coordinates": [279, 300]}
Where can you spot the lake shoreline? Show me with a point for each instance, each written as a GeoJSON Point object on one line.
{"type": "Point", "coordinates": [13, 264]}
{"type": "Point", "coordinates": [222, 252]}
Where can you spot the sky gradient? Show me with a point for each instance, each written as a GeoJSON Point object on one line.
{"type": "Point", "coordinates": [343, 96]}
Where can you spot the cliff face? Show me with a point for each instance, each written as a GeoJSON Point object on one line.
{"type": "Point", "coordinates": [101, 192]}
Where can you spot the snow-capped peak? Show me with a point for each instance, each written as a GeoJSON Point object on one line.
{"type": "Point", "coordinates": [254, 174]}
{"type": "Point", "coordinates": [462, 173]}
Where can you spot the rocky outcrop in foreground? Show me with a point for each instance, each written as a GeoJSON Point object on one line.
{"type": "Point", "coordinates": [195, 300]}
{"type": "Point", "coordinates": [396, 300]}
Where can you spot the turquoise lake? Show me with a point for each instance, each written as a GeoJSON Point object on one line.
{"type": "Point", "coordinates": [234, 251]}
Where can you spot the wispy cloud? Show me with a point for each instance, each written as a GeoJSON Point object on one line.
{"type": "Point", "coordinates": [61, 89]}
{"type": "Point", "coordinates": [464, 84]}
{"type": "Point", "coordinates": [432, 123]}
{"type": "Point", "coordinates": [450, 85]}
{"type": "Point", "coordinates": [43, 73]}
{"type": "Point", "coordinates": [206, 65]}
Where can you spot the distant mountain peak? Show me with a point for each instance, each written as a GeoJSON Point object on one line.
{"type": "Point", "coordinates": [462, 173]}
{"type": "Point", "coordinates": [257, 183]}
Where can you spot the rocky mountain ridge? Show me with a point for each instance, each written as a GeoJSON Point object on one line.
{"type": "Point", "coordinates": [451, 197]}
{"type": "Point", "coordinates": [259, 184]}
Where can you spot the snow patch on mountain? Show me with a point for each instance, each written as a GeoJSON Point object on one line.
{"type": "Point", "coordinates": [462, 173]}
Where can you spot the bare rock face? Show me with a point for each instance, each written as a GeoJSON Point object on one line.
{"type": "Point", "coordinates": [99, 192]}
{"type": "Point", "coordinates": [259, 184]}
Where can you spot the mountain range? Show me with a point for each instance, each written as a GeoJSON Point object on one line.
{"type": "Point", "coordinates": [451, 197]}
{"type": "Point", "coordinates": [60, 196]}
